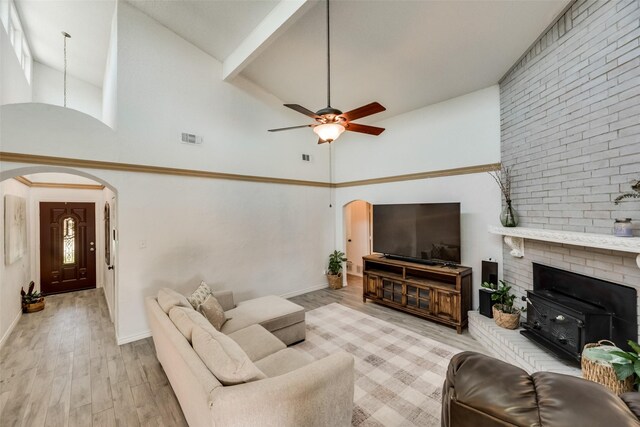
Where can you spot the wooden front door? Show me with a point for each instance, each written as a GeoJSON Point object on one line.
{"type": "Point", "coordinates": [67, 247]}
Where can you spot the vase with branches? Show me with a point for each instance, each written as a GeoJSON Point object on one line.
{"type": "Point", "coordinates": [503, 177]}
{"type": "Point", "coordinates": [633, 194]}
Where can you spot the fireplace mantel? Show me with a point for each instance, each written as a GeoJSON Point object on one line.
{"type": "Point", "coordinates": [514, 238]}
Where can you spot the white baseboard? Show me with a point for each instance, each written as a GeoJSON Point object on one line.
{"type": "Point", "coordinates": [304, 291]}
{"type": "Point", "coordinates": [11, 328]}
{"type": "Point", "coordinates": [134, 337]}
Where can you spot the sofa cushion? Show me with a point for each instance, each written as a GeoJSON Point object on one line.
{"type": "Point", "coordinates": [168, 298]}
{"type": "Point", "coordinates": [224, 358]}
{"type": "Point", "coordinates": [199, 295]}
{"type": "Point", "coordinates": [185, 319]}
{"type": "Point", "coordinates": [212, 310]}
{"type": "Point", "coordinates": [283, 361]}
{"type": "Point", "coordinates": [257, 342]}
{"type": "Point", "coordinates": [272, 312]}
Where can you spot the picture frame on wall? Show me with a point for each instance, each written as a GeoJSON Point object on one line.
{"type": "Point", "coordinates": [15, 228]}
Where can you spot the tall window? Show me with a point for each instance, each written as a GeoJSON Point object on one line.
{"type": "Point", "coordinates": [68, 241]}
{"type": "Point", "coordinates": [13, 27]}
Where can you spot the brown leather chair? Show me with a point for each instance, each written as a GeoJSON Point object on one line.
{"type": "Point", "coordinates": [481, 391]}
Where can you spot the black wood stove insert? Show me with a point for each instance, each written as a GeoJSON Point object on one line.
{"type": "Point", "coordinates": [566, 310]}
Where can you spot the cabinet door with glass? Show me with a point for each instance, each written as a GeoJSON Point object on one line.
{"type": "Point", "coordinates": [418, 298]}
{"type": "Point", "coordinates": [392, 291]}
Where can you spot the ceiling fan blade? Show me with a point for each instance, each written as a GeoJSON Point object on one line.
{"type": "Point", "coordinates": [371, 130]}
{"type": "Point", "coordinates": [301, 109]}
{"type": "Point", "coordinates": [364, 111]}
{"type": "Point", "coordinates": [292, 127]}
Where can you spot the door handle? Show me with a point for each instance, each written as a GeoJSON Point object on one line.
{"type": "Point", "coordinates": [111, 267]}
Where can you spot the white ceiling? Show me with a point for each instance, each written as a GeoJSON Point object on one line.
{"type": "Point", "coordinates": [404, 54]}
{"type": "Point", "coordinates": [87, 21]}
{"type": "Point", "coordinates": [215, 26]}
{"type": "Point", "coordinates": [59, 178]}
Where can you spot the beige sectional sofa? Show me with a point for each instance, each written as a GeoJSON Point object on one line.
{"type": "Point", "coordinates": [292, 389]}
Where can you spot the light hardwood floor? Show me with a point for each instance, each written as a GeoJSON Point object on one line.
{"type": "Point", "coordinates": [62, 366]}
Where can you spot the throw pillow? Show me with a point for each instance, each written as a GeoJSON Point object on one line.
{"type": "Point", "coordinates": [168, 298]}
{"type": "Point", "coordinates": [186, 319]}
{"type": "Point", "coordinates": [199, 295]}
{"type": "Point", "coordinates": [224, 358]}
{"type": "Point", "coordinates": [212, 310]}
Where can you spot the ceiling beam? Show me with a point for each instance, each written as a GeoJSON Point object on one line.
{"type": "Point", "coordinates": [271, 27]}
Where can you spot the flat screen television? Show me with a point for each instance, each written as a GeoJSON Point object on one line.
{"type": "Point", "coordinates": [425, 231]}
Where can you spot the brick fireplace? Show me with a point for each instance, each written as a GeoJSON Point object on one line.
{"type": "Point", "coordinates": [570, 134]}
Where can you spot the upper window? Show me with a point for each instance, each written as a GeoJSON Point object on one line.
{"type": "Point", "coordinates": [13, 27]}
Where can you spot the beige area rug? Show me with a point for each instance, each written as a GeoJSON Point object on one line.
{"type": "Point", "coordinates": [398, 373]}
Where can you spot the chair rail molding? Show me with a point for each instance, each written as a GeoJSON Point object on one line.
{"type": "Point", "coordinates": [514, 238]}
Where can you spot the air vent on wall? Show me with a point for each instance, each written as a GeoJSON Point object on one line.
{"type": "Point", "coordinates": [189, 138]}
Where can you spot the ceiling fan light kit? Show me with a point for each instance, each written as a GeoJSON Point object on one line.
{"type": "Point", "coordinates": [330, 122]}
{"type": "Point", "coordinates": [328, 132]}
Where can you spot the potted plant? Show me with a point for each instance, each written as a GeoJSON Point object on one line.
{"type": "Point", "coordinates": [505, 314]}
{"type": "Point", "coordinates": [508, 216]}
{"type": "Point", "coordinates": [31, 301]}
{"type": "Point", "coordinates": [334, 272]}
{"type": "Point", "coordinates": [632, 366]}
{"type": "Point", "coordinates": [622, 226]}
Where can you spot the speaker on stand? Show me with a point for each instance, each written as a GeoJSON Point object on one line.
{"type": "Point", "coordinates": [489, 275]}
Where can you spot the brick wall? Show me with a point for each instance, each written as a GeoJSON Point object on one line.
{"type": "Point", "coordinates": [570, 113]}
{"type": "Point", "coordinates": [570, 127]}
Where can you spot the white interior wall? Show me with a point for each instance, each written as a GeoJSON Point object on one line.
{"type": "Point", "coordinates": [48, 88]}
{"type": "Point", "coordinates": [167, 86]}
{"type": "Point", "coordinates": [17, 275]}
{"type": "Point", "coordinates": [357, 234]}
{"type": "Point", "coordinates": [110, 82]}
{"type": "Point", "coordinates": [460, 132]}
{"type": "Point", "coordinates": [14, 86]}
{"type": "Point", "coordinates": [463, 131]}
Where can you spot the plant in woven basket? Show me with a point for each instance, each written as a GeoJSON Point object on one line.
{"type": "Point", "coordinates": [334, 271]}
{"type": "Point", "coordinates": [632, 367]}
{"type": "Point", "coordinates": [30, 297]}
{"type": "Point", "coordinates": [503, 298]}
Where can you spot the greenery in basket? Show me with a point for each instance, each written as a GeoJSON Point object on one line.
{"type": "Point", "coordinates": [634, 194]}
{"type": "Point", "coordinates": [502, 297]}
{"type": "Point", "coordinates": [30, 297]}
{"type": "Point", "coordinates": [632, 365]}
{"type": "Point", "coordinates": [335, 262]}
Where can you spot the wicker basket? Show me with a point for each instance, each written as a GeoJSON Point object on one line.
{"type": "Point", "coordinates": [603, 373]}
{"type": "Point", "coordinates": [335, 281]}
{"type": "Point", "coordinates": [506, 320]}
{"type": "Point", "coordinates": [32, 308]}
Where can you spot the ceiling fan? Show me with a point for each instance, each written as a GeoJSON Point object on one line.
{"type": "Point", "coordinates": [331, 122]}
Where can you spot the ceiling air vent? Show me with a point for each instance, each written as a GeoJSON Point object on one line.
{"type": "Point", "coordinates": [189, 138]}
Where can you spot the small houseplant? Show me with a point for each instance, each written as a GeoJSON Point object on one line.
{"type": "Point", "coordinates": [632, 367]}
{"type": "Point", "coordinates": [505, 314]}
{"type": "Point", "coordinates": [622, 226]}
{"type": "Point", "coordinates": [31, 301]}
{"type": "Point", "coordinates": [334, 272]}
{"type": "Point", "coordinates": [508, 216]}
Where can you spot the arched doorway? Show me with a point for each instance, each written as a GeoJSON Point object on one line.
{"type": "Point", "coordinates": [357, 236]}
{"type": "Point", "coordinates": [39, 185]}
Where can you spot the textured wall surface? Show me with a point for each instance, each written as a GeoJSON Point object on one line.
{"type": "Point", "coordinates": [570, 130]}
{"type": "Point", "coordinates": [570, 119]}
